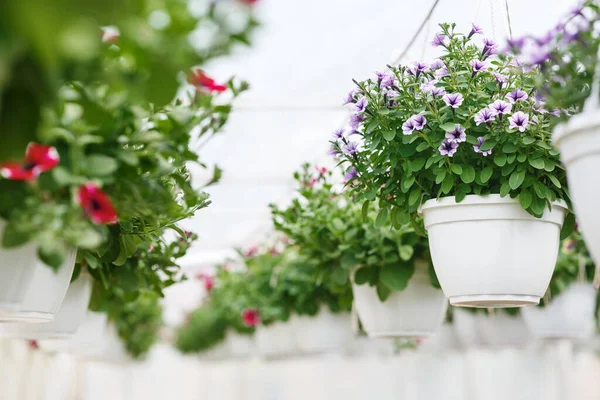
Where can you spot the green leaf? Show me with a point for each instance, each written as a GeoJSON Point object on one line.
{"type": "Point", "coordinates": [414, 196]}
{"type": "Point", "coordinates": [396, 277]}
{"type": "Point", "coordinates": [509, 147]}
{"type": "Point", "coordinates": [448, 184]}
{"type": "Point", "coordinates": [62, 176]}
{"type": "Point", "coordinates": [340, 276]}
{"type": "Point", "coordinates": [537, 163]}
{"type": "Point", "coordinates": [500, 159]}
{"type": "Point", "coordinates": [382, 291]}
{"type": "Point", "coordinates": [456, 168]}
{"type": "Point", "coordinates": [365, 210]}
{"type": "Point", "coordinates": [417, 164]}
{"type": "Point", "coordinates": [100, 165]}
{"type": "Point", "coordinates": [52, 255]}
{"type": "Point", "coordinates": [365, 275]}
{"type": "Point", "coordinates": [468, 174]}
{"type": "Point", "coordinates": [422, 146]}
{"type": "Point", "coordinates": [14, 237]}
{"type": "Point", "coordinates": [389, 135]}
{"type": "Point", "coordinates": [488, 145]}
{"type": "Point", "coordinates": [408, 182]}
{"type": "Point", "coordinates": [568, 226]}
{"type": "Point", "coordinates": [527, 140]}
{"type": "Point", "coordinates": [504, 189]}
{"type": "Point", "coordinates": [460, 196]}
{"type": "Point", "coordinates": [516, 179]}
{"type": "Point", "coordinates": [382, 218]}
{"type": "Point", "coordinates": [439, 177]}
{"type": "Point", "coordinates": [448, 126]}
{"type": "Point", "coordinates": [554, 181]}
{"type": "Point", "coordinates": [486, 174]}
{"type": "Point", "coordinates": [348, 261]}
{"type": "Point", "coordinates": [525, 198]}
{"type": "Point", "coordinates": [406, 252]}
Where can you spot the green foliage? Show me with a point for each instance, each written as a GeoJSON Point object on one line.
{"type": "Point", "coordinates": [338, 234]}
{"type": "Point", "coordinates": [204, 329]}
{"type": "Point", "coordinates": [410, 169]}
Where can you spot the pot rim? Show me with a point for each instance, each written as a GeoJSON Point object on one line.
{"type": "Point", "coordinates": [474, 199]}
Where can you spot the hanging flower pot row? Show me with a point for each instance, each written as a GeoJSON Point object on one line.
{"type": "Point", "coordinates": [464, 142]}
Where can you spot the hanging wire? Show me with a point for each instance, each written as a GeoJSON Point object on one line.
{"type": "Point", "coordinates": [510, 34]}
{"type": "Point", "coordinates": [417, 33]}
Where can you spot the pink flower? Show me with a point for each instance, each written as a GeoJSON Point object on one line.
{"type": "Point", "coordinates": [321, 170]}
{"type": "Point", "coordinates": [38, 159]}
{"type": "Point", "coordinates": [97, 204]}
{"type": "Point", "coordinates": [202, 81]}
{"type": "Point", "coordinates": [207, 279]}
{"type": "Point", "coordinates": [252, 251]}
{"type": "Point", "coordinates": [251, 317]}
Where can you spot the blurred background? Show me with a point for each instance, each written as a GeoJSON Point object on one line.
{"type": "Point", "coordinates": [300, 66]}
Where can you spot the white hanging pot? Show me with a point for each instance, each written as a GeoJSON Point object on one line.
{"type": "Point", "coordinates": [45, 292]}
{"type": "Point", "coordinates": [277, 340]}
{"type": "Point", "coordinates": [501, 329]}
{"type": "Point", "coordinates": [323, 332]}
{"type": "Point", "coordinates": [416, 311]}
{"type": "Point", "coordinates": [487, 251]}
{"type": "Point", "coordinates": [568, 316]}
{"type": "Point", "coordinates": [70, 314]}
{"type": "Point", "coordinates": [86, 338]}
{"type": "Point", "coordinates": [16, 269]}
{"type": "Point", "coordinates": [235, 346]}
{"type": "Point", "coordinates": [579, 145]}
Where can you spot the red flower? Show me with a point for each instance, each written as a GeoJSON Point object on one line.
{"type": "Point", "coordinates": [321, 170]}
{"type": "Point", "coordinates": [38, 159]}
{"type": "Point", "coordinates": [208, 280]}
{"type": "Point", "coordinates": [251, 317]}
{"type": "Point", "coordinates": [97, 204]}
{"type": "Point", "coordinates": [249, 2]}
{"type": "Point", "coordinates": [274, 252]}
{"type": "Point", "coordinates": [252, 251]}
{"type": "Point", "coordinates": [199, 79]}
{"type": "Point", "coordinates": [33, 344]}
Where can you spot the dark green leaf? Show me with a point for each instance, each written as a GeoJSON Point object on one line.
{"type": "Point", "coordinates": [516, 179]}
{"type": "Point", "coordinates": [486, 174]}
{"type": "Point", "coordinates": [500, 159]}
{"type": "Point", "coordinates": [396, 277]}
{"type": "Point", "coordinates": [448, 126]}
{"type": "Point", "coordinates": [389, 135]}
{"type": "Point", "coordinates": [525, 198]}
{"type": "Point", "coordinates": [456, 168]}
{"type": "Point", "coordinates": [468, 174]}
{"type": "Point", "coordinates": [568, 226]}
{"type": "Point", "coordinates": [537, 163]}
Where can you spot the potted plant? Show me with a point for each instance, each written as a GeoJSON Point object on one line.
{"type": "Point", "coordinates": [569, 309]}
{"type": "Point", "coordinates": [463, 142]}
{"type": "Point", "coordinates": [111, 172]}
{"type": "Point", "coordinates": [393, 284]}
{"type": "Point", "coordinates": [567, 60]}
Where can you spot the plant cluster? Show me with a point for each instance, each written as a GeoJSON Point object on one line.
{"type": "Point", "coordinates": [338, 234]}
{"type": "Point", "coordinates": [469, 123]}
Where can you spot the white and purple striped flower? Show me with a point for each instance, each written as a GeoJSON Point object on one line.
{"type": "Point", "coordinates": [428, 85]}
{"type": "Point", "coordinates": [454, 100]}
{"type": "Point", "coordinates": [516, 44]}
{"type": "Point", "coordinates": [361, 105]}
{"type": "Point", "coordinates": [350, 96]}
{"type": "Point", "coordinates": [333, 151]}
{"type": "Point", "coordinates": [442, 72]}
{"type": "Point", "coordinates": [519, 120]}
{"type": "Point", "coordinates": [489, 48]}
{"type": "Point", "coordinates": [439, 40]}
{"type": "Point", "coordinates": [517, 95]}
{"type": "Point", "coordinates": [437, 64]}
{"type": "Point", "coordinates": [417, 68]}
{"type": "Point", "coordinates": [355, 120]}
{"type": "Point", "coordinates": [501, 79]}
{"type": "Point", "coordinates": [350, 174]}
{"type": "Point", "coordinates": [338, 133]}
{"type": "Point", "coordinates": [458, 135]}
{"type": "Point", "coordinates": [478, 66]}
{"type": "Point", "coordinates": [484, 116]}
{"type": "Point", "coordinates": [477, 147]}
{"type": "Point", "coordinates": [500, 107]}
{"type": "Point", "coordinates": [475, 30]}
{"type": "Point", "coordinates": [448, 148]}
{"type": "Point", "coordinates": [438, 91]}
{"type": "Point", "coordinates": [419, 122]}
{"type": "Point", "coordinates": [386, 79]}
{"type": "Point", "coordinates": [350, 148]}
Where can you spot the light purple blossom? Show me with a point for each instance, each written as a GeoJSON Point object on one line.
{"type": "Point", "coordinates": [440, 73]}
{"type": "Point", "coordinates": [484, 116]}
{"type": "Point", "coordinates": [547, 38]}
{"type": "Point", "coordinates": [519, 120]}
{"type": "Point", "coordinates": [555, 112]}
{"type": "Point", "coordinates": [419, 122]}
{"type": "Point", "coordinates": [355, 120]}
{"type": "Point", "coordinates": [437, 64]}
{"type": "Point", "coordinates": [439, 40]}
{"type": "Point", "coordinates": [350, 97]}
{"type": "Point", "coordinates": [458, 135]}
{"type": "Point", "coordinates": [489, 47]}
{"type": "Point", "coordinates": [428, 85]}
{"type": "Point", "coordinates": [408, 127]}
{"type": "Point", "coordinates": [477, 147]}
{"type": "Point", "coordinates": [351, 148]}
{"type": "Point", "coordinates": [501, 79]}
{"type": "Point", "coordinates": [438, 91]}
{"type": "Point", "coordinates": [448, 148]}
{"type": "Point", "coordinates": [500, 107]}
{"type": "Point", "coordinates": [577, 9]}
{"type": "Point", "coordinates": [333, 151]}
{"type": "Point", "coordinates": [475, 30]}
{"type": "Point", "coordinates": [536, 55]}
{"type": "Point", "coordinates": [454, 100]}
{"type": "Point", "coordinates": [516, 44]}
{"type": "Point", "coordinates": [418, 67]}
{"type": "Point", "coordinates": [386, 79]}
{"type": "Point", "coordinates": [391, 94]}
{"type": "Point", "coordinates": [478, 66]}
{"type": "Point", "coordinates": [361, 105]}
{"type": "Point", "coordinates": [350, 174]}
{"type": "Point", "coordinates": [517, 95]}
{"type": "Point", "coordinates": [339, 133]}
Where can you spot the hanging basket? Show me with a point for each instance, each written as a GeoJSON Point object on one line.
{"type": "Point", "coordinates": [70, 315]}
{"type": "Point", "coordinates": [84, 341]}
{"type": "Point", "coordinates": [416, 311]}
{"type": "Point", "coordinates": [568, 316]}
{"type": "Point", "coordinates": [487, 251]}
{"type": "Point", "coordinates": [324, 332]}
{"type": "Point", "coordinates": [45, 292]}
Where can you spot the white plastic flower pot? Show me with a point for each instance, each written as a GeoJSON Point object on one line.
{"type": "Point", "coordinates": [579, 145]}
{"type": "Point", "coordinates": [235, 346]}
{"type": "Point", "coordinates": [86, 339]}
{"type": "Point", "coordinates": [277, 340]}
{"type": "Point", "coordinates": [500, 329]}
{"type": "Point", "coordinates": [16, 269]}
{"type": "Point", "coordinates": [487, 251]}
{"type": "Point", "coordinates": [45, 292]}
{"type": "Point", "coordinates": [568, 316]}
{"type": "Point", "coordinates": [417, 311]}
{"type": "Point", "coordinates": [70, 314]}
{"type": "Point", "coordinates": [323, 332]}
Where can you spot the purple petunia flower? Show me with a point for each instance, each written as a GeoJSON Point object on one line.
{"type": "Point", "coordinates": [475, 30]}
{"type": "Point", "coordinates": [355, 120]}
{"type": "Point", "coordinates": [437, 64]}
{"type": "Point", "coordinates": [477, 147]}
{"type": "Point", "coordinates": [440, 73]}
{"type": "Point", "coordinates": [350, 174]}
{"type": "Point", "coordinates": [500, 107]}
{"type": "Point", "coordinates": [484, 116]}
{"type": "Point", "coordinates": [478, 66]}
{"type": "Point", "coordinates": [386, 79]}
{"type": "Point", "coordinates": [351, 148]}
{"type": "Point", "coordinates": [428, 85]}
{"type": "Point", "coordinates": [438, 91]}
{"type": "Point", "coordinates": [350, 97]}
{"type": "Point", "coordinates": [547, 38]}
{"type": "Point", "coordinates": [501, 79]}
{"type": "Point", "coordinates": [448, 148]}
{"type": "Point", "coordinates": [454, 100]}
{"type": "Point", "coordinates": [489, 47]}
{"type": "Point", "coordinates": [361, 105]}
{"type": "Point", "coordinates": [517, 95]}
{"type": "Point", "coordinates": [419, 122]}
{"type": "Point", "coordinates": [536, 55]}
{"type": "Point", "coordinates": [439, 40]}
{"type": "Point", "coordinates": [339, 133]}
{"type": "Point", "coordinates": [408, 127]}
{"type": "Point", "coordinates": [333, 151]}
{"type": "Point", "coordinates": [516, 44]}
{"type": "Point", "coordinates": [519, 120]}
{"type": "Point", "coordinates": [577, 9]}
{"type": "Point", "coordinates": [417, 67]}
{"type": "Point", "coordinates": [458, 135]}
